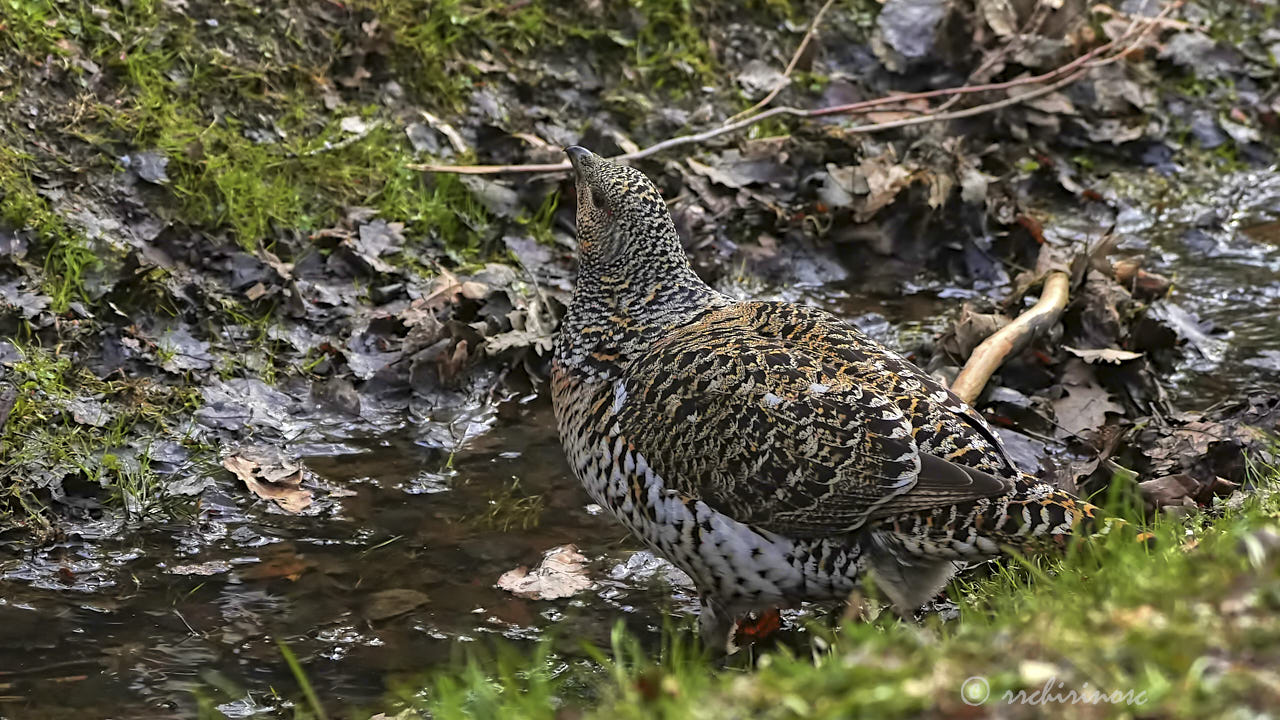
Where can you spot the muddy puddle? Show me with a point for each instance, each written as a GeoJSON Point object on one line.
{"type": "Point", "coordinates": [394, 579]}
{"type": "Point", "coordinates": [393, 573]}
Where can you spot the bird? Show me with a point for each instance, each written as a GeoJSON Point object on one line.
{"type": "Point", "coordinates": [774, 453]}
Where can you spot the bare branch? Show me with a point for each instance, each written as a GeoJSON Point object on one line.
{"type": "Point", "coordinates": [1057, 78]}
{"type": "Point", "coordinates": [791, 66]}
{"type": "Point", "coordinates": [1012, 338]}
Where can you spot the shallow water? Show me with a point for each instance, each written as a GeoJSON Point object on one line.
{"type": "Point", "coordinates": [135, 626]}
{"type": "Point", "coordinates": [146, 623]}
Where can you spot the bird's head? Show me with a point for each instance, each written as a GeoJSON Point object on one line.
{"type": "Point", "coordinates": [621, 215]}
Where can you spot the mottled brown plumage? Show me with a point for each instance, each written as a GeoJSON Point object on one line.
{"type": "Point", "coordinates": [771, 451]}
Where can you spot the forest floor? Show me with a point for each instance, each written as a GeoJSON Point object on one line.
{"type": "Point", "coordinates": [247, 343]}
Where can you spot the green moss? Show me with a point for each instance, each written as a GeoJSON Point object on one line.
{"type": "Point", "coordinates": [438, 43]}
{"type": "Point", "coordinates": [539, 224]}
{"type": "Point", "coordinates": [253, 150]}
{"type": "Point", "coordinates": [670, 49]}
{"type": "Point", "coordinates": [66, 255]}
{"type": "Point", "coordinates": [435, 38]}
{"type": "Point", "coordinates": [41, 436]}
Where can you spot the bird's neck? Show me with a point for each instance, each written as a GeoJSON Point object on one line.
{"type": "Point", "coordinates": [622, 307]}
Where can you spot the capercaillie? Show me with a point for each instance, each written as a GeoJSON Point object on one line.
{"type": "Point", "coordinates": [769, 450]}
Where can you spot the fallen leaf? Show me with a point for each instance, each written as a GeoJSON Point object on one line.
{"type": "Point", "coordinates": [970, 329]}
{"type": "Point", "coordinates": [563, 572]}
{"type": "Point", "coordinates": [1170, 491]}
{"type": "Point", "coordinates": [278, 481]}
{"type": "Point", "coordinates": [354, 125]}
{"type": "Point", "coordinates": [1105, 355]}
{"type": "Point", "coordinates": [1085, 405]}
{"type": "Point", "coordinates": [390, 603]}
{"type": "Point", "coordinates": [1266, 232]}
{"type": "Point", "coordinates": [1000, 16]}
{"type": "Point", "coordinates": [213, 567]}
{"type": "Point", "coordinates": [278, 561]}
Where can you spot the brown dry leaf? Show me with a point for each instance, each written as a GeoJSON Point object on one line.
{"type": "Point", "coordinates": [1140, 283]}
{"type": "Point", "coordinates": [563, 572]}
{"type": "Point", "coordinates": [277, 561]}
{"type": "Point", "coordinates": [1000, 17]}
{"type": "Point", "coordinates": [1176, 448]}
{"type": "Point", "coordinates": [716, 175]}
{"type": "Point", "coordinates": [1170, 491]}
{"type": "Point", "coordinates": [283, 269]}
{"type": "Point", "coordinates": [1266, 232]}
{"type": "Point", "coordinates": [884, 180]}
{"type": "Point", "coordinates": [1085, 406]}
{"type": "Point", "coordinates": [445, 288]}
{"type": "Point", "coordinates": [390, 603]}
{"type": "Point", "coordinates": [940, 187]}
{"type": "Point", "coordinates": [279, 483]}
{"type": "Point", "coordinates": [1105, 355]}
{"type": "Point", "coordinates": [970, 330]}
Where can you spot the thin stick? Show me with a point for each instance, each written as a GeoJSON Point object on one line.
{"type": "Point", "coordinates": [1012, 338]}
{"type": "Point", "coordinates": [786, 74]}
{"type": "Point", "coordinates": [1073, 71]}
{"type": "Point", "coordinates": [725, 129]}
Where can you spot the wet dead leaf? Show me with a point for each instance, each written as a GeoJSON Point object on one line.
{"type": "Point", "coordinates": [1084, 409]}
{"type": "Point", "coordinates": [1170, 491]}
{"type": "Point", "coordinates": [1000, 16]}
{"type": "Point", "coordinates": [970, 330]}
{"type": "Point", "coordinates": [213, 567]}
{"type": "Point", "coordinates": [1085, 405]}
{"type": "Point", "coordinates": [277, 562]}
{"type": "Point", "coordinates": [1105, 355]}
{"type": "Point", "coordinates": [390, 603]}
{"type": "Point", "coordinates": [883, 179]}
{"type": "Point", "coordinates": [563, 572]}
{"type": "Point", "coordinates": [1140, 283]}
{"type": "Point", "coordinates": [1266, 232]}
{"type": "Point", "coordinates": [277, 481]}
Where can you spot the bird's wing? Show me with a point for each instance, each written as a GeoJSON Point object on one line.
{"type": "Point", "coordinates": [779, 435]}
{"type": "Point", "coordinates": [942, 424]}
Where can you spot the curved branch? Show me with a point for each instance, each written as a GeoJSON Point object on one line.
{"type": "Point", "coordinates": [1012, 338]}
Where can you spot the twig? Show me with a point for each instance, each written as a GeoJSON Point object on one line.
{"type": "Point", "coordinates": [791, 66]}
{"type": "Point", "coordinates": [726, 129]}
{"type": "Point", "coordinates": [345, 142]}
{"type": "Point", "coordinates": [1157, 19]}
{"type": "Point", "coordinates": [454, 137]}
{"type": "Point", "coordinates": [1063, 75]}
{"type": "Point", "coordinates": [991, 353]}
{"type": "Point", "coordinates": [983, 72]}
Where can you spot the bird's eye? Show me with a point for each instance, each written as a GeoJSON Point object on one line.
{"type": "Point", "coordinates": [598, 199]}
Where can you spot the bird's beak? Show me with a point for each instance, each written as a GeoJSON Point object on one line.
{"type": "Point", "coordinates": [577, 155]}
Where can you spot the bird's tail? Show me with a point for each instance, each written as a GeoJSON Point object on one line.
{"type": "Point", "coordinates": [1032, 517]}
